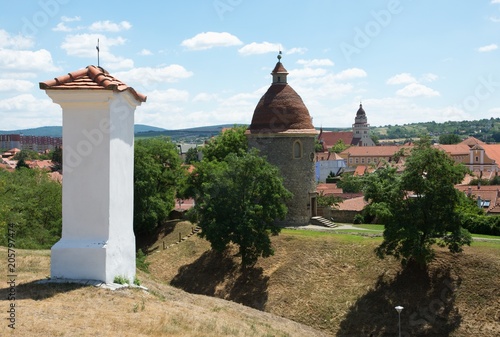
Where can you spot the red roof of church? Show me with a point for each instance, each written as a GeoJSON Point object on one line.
{"type": "Point", "coordinates": [330, 138]}
{"type": "Point", "coordinates": [281, 110]}
{"type": "Point", "coordinates": [91, 77]}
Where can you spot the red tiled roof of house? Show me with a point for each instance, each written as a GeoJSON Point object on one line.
{"type": "Point", "coordinates": [382, 151]}
{"type": "Point", "coordinates": [488, 192]}
{"type": "Point", "coordinates": [330, 138]}
{"type": "Point", "coordinates": [492, 151]}
{"type": "Point", "coordinates": [360, 170]}
{"type": "Point", "coordinates": [320, 156]}
{"type": "Point", "coordinates": [471, 141]}
{"type": "Point", "coordinates": [354, 204]}
{"type": "Point", "coordinates": [91, 77]}
{"type": "Point", "coordinates": [454, 149]}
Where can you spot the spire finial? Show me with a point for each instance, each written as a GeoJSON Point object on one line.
{"type": "Point", "coordinates": [279, 55]}
{"type": "Point", "coordinates": [97, 47]}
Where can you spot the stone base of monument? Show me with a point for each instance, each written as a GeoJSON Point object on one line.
{"type": "Point", "coordinates": [93, 283]}
{"type": "Point", "coordinates": [93, 260]}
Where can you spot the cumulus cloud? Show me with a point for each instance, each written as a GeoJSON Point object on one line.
{"type": "Point", "coordinates": [403, 78]}
{"type": "Point", "coordinates": [14, 41]}
{"type": "Point", "coordinates": [148, 76]}
{"type": "Point", "coordinates": [350, 73]}
{"type": "Point", "coordinates": [296, 50]}
{"type": "Point", "coordinates": [259, 48]}
{"type": "Point", "coordinates": [61, 27]}
{"type": "Point", "coordinates": [7, 84]}
{"type": "Point", "coordinates": [26, 60]}
{"type": "Point", "coordinates": [209, 40]}
{"type": "Point", "coordinates": [429, 77]}
{"type": "Point", "coordinates": [417, 90]}
{"type": "Point", "coordinates": [204, 97]}
{"type": "Point", "coordinates": [487, 48]}
{"type": "Point", "coordinates": [109, 26]}
{"type": "Point", "coordinates": [145, 52]}
{"type": "Point", "coordinates": [70, 19]}
{"type": "Point", "coordinates": [316, 62]}
{"type": "Point", "coordinates": [83, 45]}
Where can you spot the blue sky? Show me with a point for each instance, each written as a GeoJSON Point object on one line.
{"type": "Point", "coordinates": [208, 62]}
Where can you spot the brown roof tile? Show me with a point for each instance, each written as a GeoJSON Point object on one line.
{"type": "Point", "coordinates": [281, 110]}
{"type": "Point", "coordinates": [91, 77]}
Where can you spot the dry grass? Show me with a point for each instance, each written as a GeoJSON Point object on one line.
{"type": "Point", "coordinates": [75, 310]}
{"type": "Point", "coordinates": [336, 284]}
{"type": "Point", "coordinates": [330, 282]}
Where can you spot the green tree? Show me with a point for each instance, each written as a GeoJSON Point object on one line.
{"type": "Point", "coordinates": [449, 138]}
{"type": "Point", "coordinates": [419, 208]}
{"type": "Point", "coordinates": [157, 175]}
{"type": "Point", "coordinates": [26, 155]}
{"type": "Point", "coordinates": [238, 200]}
{"type": "Point", "coordinates": [339, 146]}
{"type": "Point", "coordinates": [57, 157]}
{"type": "Point", "coordinates": [32, 203]}
{"type": "Point", "coordinates": [21, 163]}
{"type": "Point", "coordinates": [192, 155]}
{"type": "Point", "coordinates": [350, 183]}
{"type": "Point", "coordinates": [230, 141]}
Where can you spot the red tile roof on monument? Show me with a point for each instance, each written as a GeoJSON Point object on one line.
{"type": "Point", "coordinates": [93, 78]}
{"type": "Point", "coordinates": [281, 110]}
{"type": "Point", "coordinates": [279, 68]}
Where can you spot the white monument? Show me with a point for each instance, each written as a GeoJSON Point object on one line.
{"type": "Point", "coordinates": [98, 241]}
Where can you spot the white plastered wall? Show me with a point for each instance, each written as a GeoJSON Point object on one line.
{"type": "Point", "coordinates": [97, 241]}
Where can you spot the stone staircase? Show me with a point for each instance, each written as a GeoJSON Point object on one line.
{"type": "Point", "coordinates": [320, 221]}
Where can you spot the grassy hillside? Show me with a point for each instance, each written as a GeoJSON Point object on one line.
{"type": "Point", "coordinates": [334, 282]}
{"type": "Point", "coordinates": [73, 310]}
{"type": "Point", "coordinates": [330, 282]}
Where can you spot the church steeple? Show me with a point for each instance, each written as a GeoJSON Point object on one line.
{"type": "Point", "coordinates": [279, 72]}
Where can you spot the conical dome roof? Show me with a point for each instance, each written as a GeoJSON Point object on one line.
{"type": "Point", "coordinates": [281, 109]}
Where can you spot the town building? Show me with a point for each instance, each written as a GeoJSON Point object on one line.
{"type": "Point", "coordinates": [27, 142]}
{"type": "Point", "coordinates": [282, 130]}
{"type": "Point", "coordinates": [359, 136]}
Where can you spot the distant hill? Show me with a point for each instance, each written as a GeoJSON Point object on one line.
{"type": "Point", "coordinates": [56, 131]}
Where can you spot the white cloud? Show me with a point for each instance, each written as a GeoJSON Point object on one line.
{"type": "Point", "coordinates": [16, 42]}
{"type": "Point", "coordinates": [495, 1]}
{"type": "Point", "coordinates": [84, 45]}
{"type": "Point", "coordinates": [204, 97]}
{"type": "Point", "coordinates": [296, 50]}
{"type": "Point", "coordinates": [487, 48]}
{"type": "Point", "coordinates": [350, 73]}
{"type": "Point", "coordinates": [416, 90]}
{"type": "Point", "coordinates": [70, 19]}
{"type": "Point", "coordinates": [7, 84]}
{"type": "Point", "coordinates": [259, 48]}
{"type": "Point", "coordinates": [315, 62]}
{"type": "Point", "coordinates": [209, 40]}
{"type": "Point", "coordinates": [494, 111]}
{"type": "Point", "coordinates": [108, 26]}
{"type": "Point", "coordinates": [25, 111]}
{"type": "Point", "coordinates": [403, 78]}
{"type": "Point", "coordinates": [307, 72]}
{"type": "Point", "coordinates": [495, 19]}
{"type": "Point", "coordinates": [429, 77]}
{"type": "Point", "coordinates": [61, 27]}
{"type": "Point", "coordinates": [145, 52]}
{"type": "Point", "coordinates": [26, 60]}
{"type": "Point", "coordinates": [148, 76]}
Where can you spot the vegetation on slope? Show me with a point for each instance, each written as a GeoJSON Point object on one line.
{"type": "Point", "coordinates": [337, 284]}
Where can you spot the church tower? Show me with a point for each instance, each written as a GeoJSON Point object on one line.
{"type": "Point", "coordinates": [283, 132]}
{"type": "Point", "coordinates": [361, 129]}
